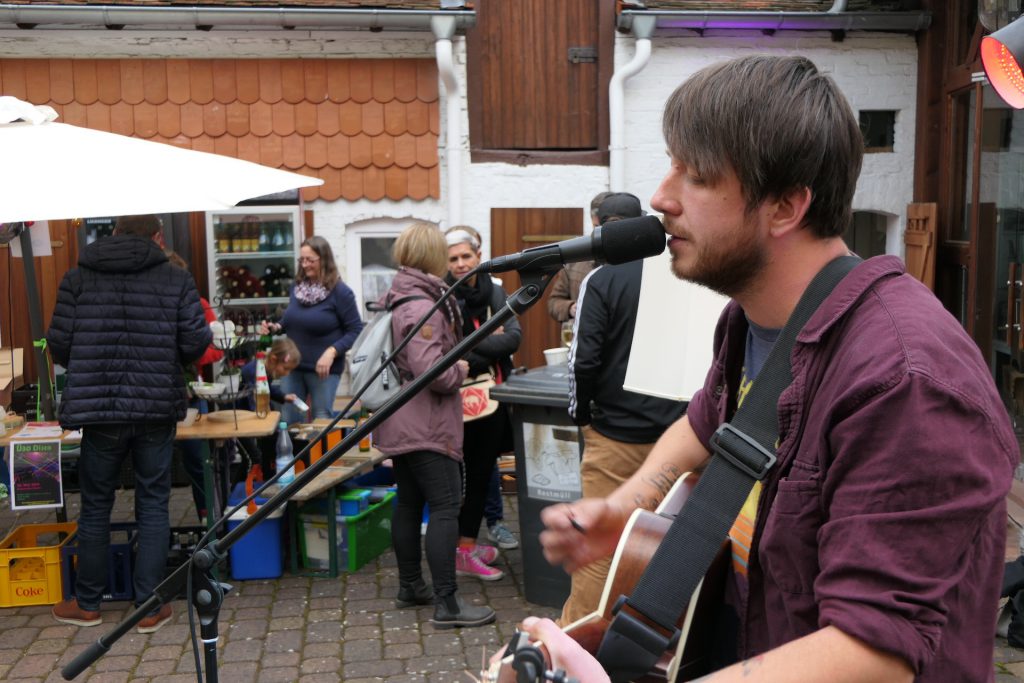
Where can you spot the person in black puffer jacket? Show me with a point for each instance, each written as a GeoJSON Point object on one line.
{"type": "Point", "coordinates": [125, 325]}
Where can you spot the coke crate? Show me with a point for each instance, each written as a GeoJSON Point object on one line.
{"type": "Point", "coordinates": [30, 564]}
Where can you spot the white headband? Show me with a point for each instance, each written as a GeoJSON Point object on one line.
{"type": "Point", "coordinates": [460, 237]}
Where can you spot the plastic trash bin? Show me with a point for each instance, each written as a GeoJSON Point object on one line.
{"type": "Point", "coordinates": [548, 449]}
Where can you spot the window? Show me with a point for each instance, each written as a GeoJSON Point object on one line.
{"type": "Point", "coordinates": [866, 236]}
{"type": "Point", "coordinates": [879, 130]}
{"type": "Point", "coordinates": [368, 261]}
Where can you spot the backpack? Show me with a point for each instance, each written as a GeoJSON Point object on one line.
{"type": "Point", "coordinates": [371, 348]}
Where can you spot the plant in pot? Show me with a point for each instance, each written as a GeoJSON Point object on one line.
{"type": "Point", "coordinates": [231, 378]}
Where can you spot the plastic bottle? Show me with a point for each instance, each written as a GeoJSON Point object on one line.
{"type": "Point", "coordinates": [364, 443]}
{"type": "Point", "coordinates": [262, 387]}
{"type": "Point", "coordinates": [284, 454]}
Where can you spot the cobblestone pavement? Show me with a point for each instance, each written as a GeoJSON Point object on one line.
{"type": "Point", "coordinates": [296, 628]}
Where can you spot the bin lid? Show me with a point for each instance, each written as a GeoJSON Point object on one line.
{"type": "Point", "coordinates": [547, 385]}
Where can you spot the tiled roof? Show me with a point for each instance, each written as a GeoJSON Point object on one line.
{"type": "Point", "coordinates": [378, 4]}
{"type": "Point", "coordinates": [771, 6]}
{"type": "Point", "coordinates": [368, 127]}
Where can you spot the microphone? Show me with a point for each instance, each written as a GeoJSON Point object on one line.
{"type": "Point", "coordinates": [620, 241]}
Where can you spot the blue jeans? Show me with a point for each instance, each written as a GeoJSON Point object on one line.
{"type": "Point", "coordinates": [104, 447]}
{"type": "Point", "coordinates": [426, 477]}
{"type": "Point", "coordinates": [320, 392]}
{"type": "Point", "coordinates": [494, 507]}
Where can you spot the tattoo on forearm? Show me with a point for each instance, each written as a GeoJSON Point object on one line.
{"type": "Point", "coordinates": [644, 502]}
{"type": "Point", "coordinates": [750, 666]}
{"type": "Point", "coordinates": [662, 481]}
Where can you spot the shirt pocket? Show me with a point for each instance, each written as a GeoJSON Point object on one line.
{"type": "Point", "coordinates": [788, 547]}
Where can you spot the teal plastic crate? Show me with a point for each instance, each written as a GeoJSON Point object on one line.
{"type": "Point", "coordinates": [361, 537]}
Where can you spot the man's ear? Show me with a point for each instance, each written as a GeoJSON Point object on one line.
{"type": "Point", "coordinates": [789, 210]}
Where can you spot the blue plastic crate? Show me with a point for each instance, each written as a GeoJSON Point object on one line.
{"type": "Point", "coordinates": [124, 536]}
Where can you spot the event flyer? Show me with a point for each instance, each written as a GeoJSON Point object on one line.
{"type": "Point", "coordinates": [35, 475]}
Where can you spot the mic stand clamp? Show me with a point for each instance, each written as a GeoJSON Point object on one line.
{"type": "Point", "coordinates": [208, 594]}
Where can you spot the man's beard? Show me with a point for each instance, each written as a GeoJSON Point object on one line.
{"type": "Point", "coordinates": [726, 269]}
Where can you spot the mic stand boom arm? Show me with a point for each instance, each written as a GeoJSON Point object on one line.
{"type": "Point", "coordinates": [207, 594]}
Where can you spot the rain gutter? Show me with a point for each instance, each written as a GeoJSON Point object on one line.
{"type": "Point", "coordinates": [835, 19]}
{"type": "Point", "coordinates": [642, 28]}
{"type": "Point", "coordinates": [444, 28]}
{"type": "Point", "coordinates": [120, 16]}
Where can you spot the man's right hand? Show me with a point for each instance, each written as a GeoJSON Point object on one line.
{"type": "Point", "coordinates": [602, 523]}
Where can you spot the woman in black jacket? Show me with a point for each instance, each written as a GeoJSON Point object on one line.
{"type": "Point", "coordinates": [479, 298]}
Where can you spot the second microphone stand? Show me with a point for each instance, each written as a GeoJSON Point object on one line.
{"type": "Point", "coordinates": [207, 594]}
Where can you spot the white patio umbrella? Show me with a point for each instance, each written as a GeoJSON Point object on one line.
{"type": "Point", "coordinates": [51, 170]}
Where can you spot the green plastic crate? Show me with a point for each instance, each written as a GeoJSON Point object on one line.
{"type": "Point", "coordinates": [361, 537]}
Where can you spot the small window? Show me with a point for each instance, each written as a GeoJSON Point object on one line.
{"type": "Point", "coordinates": [368, 258]}
{"type": "Point", "coordinates": [866, 236]}
{"type": "Point", "coordinates": [879, 130]}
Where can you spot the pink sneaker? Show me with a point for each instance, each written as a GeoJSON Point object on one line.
{"type": "Point", "coordinates": [487, 554]}
{"type": "Point", "coordinates": [468, 564]}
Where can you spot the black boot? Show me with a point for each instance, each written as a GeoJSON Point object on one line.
{"type": "Point", "coordinates": [450, 611]}
{"type": "Point", "coordinates": [418, 593]}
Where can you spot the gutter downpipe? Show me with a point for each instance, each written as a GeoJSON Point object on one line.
{"type": "Point", "coordinates": [444, 28]}
{"type": "Point", "coordinates": [118, 16]}
{"type": "Point", "coordinates": [643, 28]}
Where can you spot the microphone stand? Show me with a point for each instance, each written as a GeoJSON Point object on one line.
{"type": "Point", "coordinates": [207, 593]}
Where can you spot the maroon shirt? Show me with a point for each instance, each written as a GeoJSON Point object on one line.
{"type": "Point", "coordinates": [885, 515]}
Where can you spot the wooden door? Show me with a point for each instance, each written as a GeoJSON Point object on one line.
{"type": "Point", "coordinates": [920, 241]}
{"type": "Point", "coordinates": [513, 230]}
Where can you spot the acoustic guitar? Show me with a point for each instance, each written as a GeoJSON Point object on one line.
{"type": "Point", "coordinates": [641, 536]}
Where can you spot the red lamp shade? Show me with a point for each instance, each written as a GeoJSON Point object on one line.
{"type": "Point", "coordinates": [1000, 55]}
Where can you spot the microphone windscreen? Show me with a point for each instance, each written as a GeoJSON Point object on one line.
{"type": "Point", "coordinates": [630, 239]}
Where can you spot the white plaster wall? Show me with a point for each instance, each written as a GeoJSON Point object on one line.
{"type": "Point", "coordinates": [874, 71]}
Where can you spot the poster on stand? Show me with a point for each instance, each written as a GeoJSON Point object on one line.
{"type": "Point", "coordinates": [552, 457]}
{"type": "Point", "coordinates": [35, 475]}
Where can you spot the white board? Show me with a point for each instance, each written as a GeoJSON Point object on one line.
{"type": "Point", "coordinates": [675, 326]}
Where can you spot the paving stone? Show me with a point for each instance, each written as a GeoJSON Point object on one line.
{"type": "Point", "coordinates": [156, 667]}
{"type": "Point", "coordinates": [284, 674]}
{"type": "Point", "coordinates": [283, 641]}
{"type": "Point", "coordinates": [116, 663]}
{"type": "Point", "coordinates": [372, 669]}
{"type": "Point", "coordinates": [319, 665]}
{"type": "Point", "coordinates": [110, 677]}
{"type": "Point", "coordinates": [242, 651]}
{"type": "Point", "coordinates": [323, 631]}
{"type": "Point", "coordinates": [361, 650]}
{"type": "Point", "coordinates": [403, 651]}
{"type": "Point", "coordinates": [286, 623]}
{"type": "Point", "coordinates": [281, 659]}
{"type": "Point", "coordinates": [322, 650]}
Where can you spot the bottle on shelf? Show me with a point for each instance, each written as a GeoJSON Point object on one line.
{"type": "Point", "coordinates": [232, 237]}
{"type": "Point", "coordinates": [289, 238]}
{"type": "Point", "coordinates": [278, 239]}
{"type": "Point", "coordinates": [284, 454]}
{"type": "Point", "coordinates": [262, 386]}
{"type": "Point", "coordinates": [366, 441]}
{"type": "Point", "coordinates": [264, 244]}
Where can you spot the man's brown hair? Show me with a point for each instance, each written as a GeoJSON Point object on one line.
{"type": "Point", "coordinates": [146, 225]}
{"type": "Point", "coordinates": [780, 124]}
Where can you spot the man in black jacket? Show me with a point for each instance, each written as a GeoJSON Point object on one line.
{"type": "Point", "coordinates": [619, 426]}
{"type": "Point", "coordinates": [125, 325]}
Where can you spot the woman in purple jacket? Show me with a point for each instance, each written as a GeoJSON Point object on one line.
{"type": "Point", "coordinates": [424, 437]}
{"type": "Point", "coordinates": [323, 320]}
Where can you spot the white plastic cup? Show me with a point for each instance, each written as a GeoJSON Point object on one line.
{"type": "Point", "coordinates": [559, 356]}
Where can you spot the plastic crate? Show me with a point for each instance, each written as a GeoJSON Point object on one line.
{"type": "Point", "coordinates": [120, 562]}
{"type": "Point", "coordinates": [361, 537]}
{"type": "Point", "coordinates": [30, 564]}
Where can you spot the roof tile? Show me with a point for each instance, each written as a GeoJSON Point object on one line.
{"type": "Point", "coordinates": [121, 119]}
{"type": "Point", "coordinates": [316, 151]}
{"type": "Point", "coordinates": [249, 148]}
{"type": "Point", "coordinates": [305, 118]}
{"type": "Point", "coordinates": [247, 79]}
{"type": "Point", "coordinates": [215, 119]}
{"type": "Point", "coordinates": [337, 151]}
{"type": "Point", "coordinates": [204, 143]}
{"type": "Point", "coordinates": [314, 73]}
{"type": "Point", "coordinates": [434, 174]}
{"type": "Point", "coordinates": [435, 118]}
{"type": "Point", "coordinates": [200, 74]}
{"type": "Point", "coordinates": [226, 145]}
{"type": "Point", "coordinates": [271, 153]}
{"type": "Point", "coordinates": [338, 80]}
{"type": "Point", "coordinates": [154, 73]}
{"type": "Point", "coordinates": [361, 150]}
{"type": "Point", "coordinates": [168, 119]}
{"type": "Point", "coordinates": [382, 151]}
{"type": "Point", "coordinates": [373, 118]}
{"type": "Point", "coordinates": [62, 82]}
{"type": "Point", "coordinates": [144, 114]}
{"type": "Point", "coordinates": [270, 80]}
{"type": "Point", "coordinates": [426, 81]}
{"type": "Point", "coordinates": [97, 116]}
{"type": "Point", "coordinates": [405, 79]}
{"type": "Point", "coordinates": [293, 82]}
{"type": "Point", "coordinates": [373, 184]}
{"type": "Point", "coordinates": [85, 87]}
{"type": "Point", "coordinates": [361, 80]}
{"type": "Point", "coordinates": [283, 117]}
{"type": "Point", "coordinates": [261, 118]}
{"type": "Point", "coordinates": [396, 185]}
{"type": "Point", "coordinates": [132, 82]}
{"type": "Point", "coordinates": [351, 183]}
{"type": "Point", "coordinates": [383, 80]}
{"type": "Point", "coordinates": [350, 115]}
{"type": "Point", "coordinates": [328, 118]}
{"type": "Point", "coordinates": [394, 117]}
{"type": "Point", "coordinates": [225, 88]}
{"type": "Point", "coordinates": [108, 81]}
{"type": "Point", "coordinates": [426, 151]}
{"type": "Point", "coordinates": [418, 180]}
{"type": "Point", "coordinates": [331, 189]}
{"type": "Point", "coordinates": [237, 115]}
{"type": "Point", "coordinates": [293, 151]}
{"type": "Point", "coordinates": [179, 88]}
{"type": "Point", "coordinates": [192, 119]}
{"type": "Point", "coordinates": [417, 117]}
{"type": "Point", "coordinates": [405, 150]}
{"type": "Point", "coordinates": [37, 81]}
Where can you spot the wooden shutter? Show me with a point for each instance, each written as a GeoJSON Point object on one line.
{"type": "Point", "coordinates": [513, 230]}
{"type": "Point", "coordinates": [920, 241]}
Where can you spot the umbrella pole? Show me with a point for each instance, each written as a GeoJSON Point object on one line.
{"type": "Point", "coordinates": [35, 318]}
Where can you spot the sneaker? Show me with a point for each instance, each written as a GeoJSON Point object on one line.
{"type": "Point", "coordinates": [153, 622]}
{"type": "Point", "coordinates": [450, 612]}
{"type": "Point", "coordinates": [487, 554]}
{"type": "Point", "coordinates": [68, 612]}
{"type": "Point", "coordinates": [500, 534]}
{"type": "Point", "coordinates": [468, 564]}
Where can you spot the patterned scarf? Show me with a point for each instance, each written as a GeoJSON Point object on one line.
{"type": "Point", "coordinates": [310, 293]}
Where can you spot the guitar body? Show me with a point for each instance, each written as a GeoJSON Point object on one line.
{"type": "Point", "coordinates": [641, 537]}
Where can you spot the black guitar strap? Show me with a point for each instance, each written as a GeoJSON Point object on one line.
{"type": "Point", "coordinates": [743, 452]}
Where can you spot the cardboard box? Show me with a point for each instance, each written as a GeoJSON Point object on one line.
{"type": "Point", "coordinates": [12, 372]}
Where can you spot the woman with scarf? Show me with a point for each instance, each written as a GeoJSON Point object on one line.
{"type": "Point", "coordinates": [323, 320]}
{"type": "Point", "coordinates": [479, 298]}
{"type": "Point", "coordinates": [424, 437]}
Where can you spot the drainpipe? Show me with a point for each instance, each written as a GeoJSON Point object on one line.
{"type": "Point", "coordinates": [643, 28]}
{"type": "Point", "coordinates": [444, 28]}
